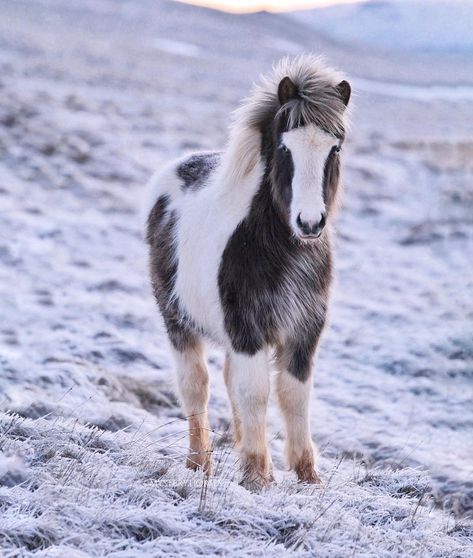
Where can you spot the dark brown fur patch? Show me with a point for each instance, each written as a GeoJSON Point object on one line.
{"type": "Point", "coordinates": [163, 268]}
{"type": "Point", "coordinates": [331, 177]}
{"type": "Point", "coordinates": [195, 170]}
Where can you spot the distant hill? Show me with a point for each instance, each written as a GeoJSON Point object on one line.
{"type": "Point", "coordinates": [404, 25]}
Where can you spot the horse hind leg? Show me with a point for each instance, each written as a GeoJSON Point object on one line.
{"type": "Point", "coordinates": [193, 382]}
{"type": "Point", "coordinates": [229, 382]}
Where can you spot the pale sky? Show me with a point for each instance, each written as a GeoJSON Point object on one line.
{"type": "Point", "coordinates": [240, 6]}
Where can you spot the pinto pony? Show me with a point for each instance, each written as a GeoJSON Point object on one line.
{"type": "Point", "coordinates": [239, 244]}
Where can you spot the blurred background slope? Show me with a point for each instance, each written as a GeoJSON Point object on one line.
{"type": "Point", "coordinates": [95, 96]}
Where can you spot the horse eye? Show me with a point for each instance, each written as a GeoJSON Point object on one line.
{"type": "Point", "coordinates": [284, 148]}
{"type": "Point", "coordinates": [336, 149]}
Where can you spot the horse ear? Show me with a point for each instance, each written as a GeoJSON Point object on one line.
{"type": "Point", "coordinates": [344, 90]}
{"type": "Point", "coordinates": [287, 90]}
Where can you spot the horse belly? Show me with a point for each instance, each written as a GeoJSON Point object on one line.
{"type": "Point", "coordinates": [206, 221]}
{"type": "Point", "coordinates": [197, 291]}
{"type": "Point", "coordinates": [201, 240]}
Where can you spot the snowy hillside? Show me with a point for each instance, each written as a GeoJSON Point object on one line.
{"type": "Point", "coordinates": [422, 25]}
{"type": "Point", "coordinates": [92, 100]}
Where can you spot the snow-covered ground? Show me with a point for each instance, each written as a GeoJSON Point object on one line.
{"type": "Point", "coordinates": [92, 99]}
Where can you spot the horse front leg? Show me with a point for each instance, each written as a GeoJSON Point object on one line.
{"type": "Point", "coordinates": [193, 382]}
{"type": "Point", "coordinates": [248, 380]}
{"type": "Point", "coordinates": [294, 386]}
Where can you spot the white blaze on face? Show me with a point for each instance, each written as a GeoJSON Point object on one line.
{"type": "Point", "coordinates": [310, 146]}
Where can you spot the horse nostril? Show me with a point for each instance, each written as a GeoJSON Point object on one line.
{"type": "Point", "coordinates": [318, 227]}
{"type": "Point", "coordinates": [303, 225]}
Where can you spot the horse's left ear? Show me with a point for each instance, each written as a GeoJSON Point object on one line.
{"type": "Point", "coordinates": [344, 90]}
{"type": "Point", "coordinates": [287, 90]}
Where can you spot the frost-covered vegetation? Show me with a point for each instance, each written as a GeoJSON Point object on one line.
{"type": "Point", "coordinates": [73, 490]}
{"type": "Point", "coordinates": [92, 100]}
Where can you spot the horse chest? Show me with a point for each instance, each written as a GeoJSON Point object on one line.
{"type": "Point", "coordinates": [267, 291]}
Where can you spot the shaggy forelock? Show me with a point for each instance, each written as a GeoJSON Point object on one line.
{"type": "Point", "coordinates": [318, 101]}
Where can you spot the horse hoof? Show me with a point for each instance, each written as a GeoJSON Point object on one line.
{"type": "Point", "coordinates": [257, 472]}
{"type": "Point", "coordinates": [310, 477]}
{"type": "Point", "coordinates": [256, 483]}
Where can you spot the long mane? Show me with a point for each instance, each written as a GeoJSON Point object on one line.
{"type": "Point", "coordinates": [318, 103]}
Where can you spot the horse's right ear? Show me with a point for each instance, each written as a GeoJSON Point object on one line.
{"type": "Point", "coordinates": [287, 90]}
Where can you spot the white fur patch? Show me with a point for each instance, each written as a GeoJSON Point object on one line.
{"type": "Point", "coordinates": [310, 146]}
{"type": "Point", "coordinates": [207, 219]}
